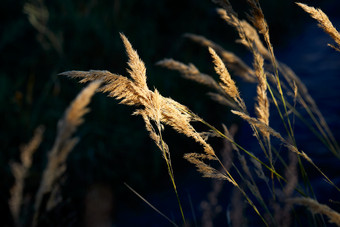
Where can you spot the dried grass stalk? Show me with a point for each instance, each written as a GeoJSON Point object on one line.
{"type": "Point", "coordinates": [282, 213]}
{"type": "Point", "coordinates": [20, 170]}
{"type": "Point", "coordinates": [241, 158]}
{"type": "Point", "coordinates": [190, 72]}
{"type": "Point", "coordinates": [137, 69]}
{"type": "Point", "coordinates": [211, 206]}
{"type": "Point", "coordinates": [306, 100]}
{"type": "Point", "coordinates": [228, 147]}
{"type": "Point", "coordinates": [265, 128]}
{"type": "Point", "coordinates": [38, 16]}
{"type": "Point", "coordinates": [317, 208]}
{"type": "Point", "coordinates": [324, 23]}
{"type": "Point", "coordinates": [292, 175]}
{"type": "Point", "coordinates": [135, 92]}
{"type": "Point", "coordinates": [206, 170]}
{"type": "Point", "coordinates": [259, 171]}
{"type": "Point", "coordinates": [227, 83]}
{"type": "Point", "coordinates": [64, 143]}
{"type": "Point", "coordinates": [234, 63]}
{"type": "Point", "coordinates": [262, 106]}
{"type": "Point", "coordinates": [225, 4]}
{"type": "Point", "coordinates": [247, 33]}
{"type": "Point", "coordinates": [290, 147]}
{"type": "Point", "coordinates": [260, 23]}
{"type": "Point", "coordinates": [223, 100]}
{"type": "Point", "coordinates": [257, 17]}
{"type": "Point", "coordinates": [249, 38]}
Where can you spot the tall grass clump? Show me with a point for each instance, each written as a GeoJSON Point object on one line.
{"type": "Point", "coordinates": [48, 195]}
{"type": "Point", "coordinates": [282, 167]}
{"type": "Point", "coordinates": [270, 180]}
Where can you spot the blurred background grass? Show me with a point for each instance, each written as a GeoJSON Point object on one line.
{"type": "Point", "coordinates": [114, 146]}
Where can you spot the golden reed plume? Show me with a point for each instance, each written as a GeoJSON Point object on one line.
{"type": "Point", "coordinates": [64, 143]}
{"type": "Point", "coordinates": [135, 92]}
{"type": "Point", "coordinates": [324, 23]}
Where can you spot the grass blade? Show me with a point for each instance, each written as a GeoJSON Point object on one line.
{"type": "Point", "coordinates": [144, 200]}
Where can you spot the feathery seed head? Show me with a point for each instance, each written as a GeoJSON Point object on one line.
{"type": "Point", "coordinates": [324, 23]}
{"type": "Point", "coordinates": [317, 208]}
{"type": "Point", "coordinates": [257, 17]}
{"type": "Point", "coordinates": [153, 106]}
{"type": "Point", "coordinates": [262, 107]}
{"type": "Point", "coordinates": [137, 68]}
{"type": "Point", "coordinates": [189, 72]}
{"type": "Point", "coordinates": [233, 62]}
{"type": "Point", "coordinates": [227, 83]}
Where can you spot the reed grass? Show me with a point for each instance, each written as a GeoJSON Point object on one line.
{"type": "Point", "coordinates": [281, 169]}
{"type": "Point", "coordinates": [157, 110]}
{"type": "Point", "coordinates": [48, 194]}
{"type": "Point", "coordinates": [20, 172]}
{"type": "Point", "coordinates": [323, 22]}
{"type": "Point", "coordinates": [317, 208]}
{"type": "Point", "coordinates": [63, 145]}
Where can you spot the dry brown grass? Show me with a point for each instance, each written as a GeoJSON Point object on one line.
{"type": "Point", "coordinates": [324, 23]}
{"type": "Point", "coordinates": [211, 206]}
{"type": "Point", "coordinates": [227, 84]}
{"type": "Point", "coordinates": [317, 208]}
{"type": "Point", "coordinates": [64, 143]}
{"type": "Point", "coordinates": [233, 62]}
{"type": "Point", "coordinates": [262, 106]}
{"type": "Point", "coordinates": [38, 16]}
{"type": "Point", "coordinates": [190, 72]}
{"type": "Point", "coordinates": [277, 83]}
{"type": "Point", "coordinates": [135, 92]}
{"type": "Point", "coordinates": [20, 171]}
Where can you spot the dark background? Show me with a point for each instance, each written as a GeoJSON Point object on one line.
{"type": "Point", "coordinates": [114, 146]}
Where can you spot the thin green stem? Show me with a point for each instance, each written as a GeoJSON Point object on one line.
{"type": "Point", "coordinates": [243, 192]}
{"type": "Point", "coordinates": [147, 202]}
{"type": "Point", "coordinates": [171, 174]}
{"type": "Point", "coordinates": [277, 107]}
{"type": "Point", "coordinates": [247, 152]}
{"type": "Point", "coordinates": [274, 63]}
{"type": "Point", "coordinates": [257, 195]}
